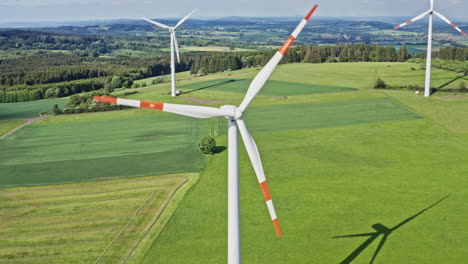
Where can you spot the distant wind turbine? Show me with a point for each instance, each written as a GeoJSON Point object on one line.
{"type": "Point", "coordinates": [236, 124]}
{"type": "Point", "coordinates": [174, 46]}
{"type": "Point", "coordinates": [430, 12]}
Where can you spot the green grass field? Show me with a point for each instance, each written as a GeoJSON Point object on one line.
{"type": "Point", "coordinates": [340, 159]}
{"type": "Point", "coordinates": [98, 222]}
{"type": "Point", "coordinates": [272, 88]}
{"type": "Point", "coordinates": [333, 181]}
{"type": "Point", "coordinates": [46, 153]}
{"type": "Point", "coordinates": [29, 109]}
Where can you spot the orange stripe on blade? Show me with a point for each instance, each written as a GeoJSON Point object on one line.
{"type": "Point", "coordinates": [152, 105]}
{"type": "Point", "coordinates": [266, 191]}
{"type": "Point", "coordinates": [311, 12]}
{"type": "Point", "coordinates": [286, 45]}
{"type": "Point", "coordinates": [408, 22]}
{"type": "Point", "coordinates": [106, 99]}
{"type": "Point", "coordinates": [277, 227]}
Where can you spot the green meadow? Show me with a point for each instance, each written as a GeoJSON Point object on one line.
{"type": "Point", "coordinates": [355, 173]}
{"type": "Point", "coordinates": [29, 109]}
{"type": "Point", "coordinates": [68, 151]}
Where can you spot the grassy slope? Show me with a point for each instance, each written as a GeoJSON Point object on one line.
{"type": "Point", "coordinates": [103, 221]}
{"type": "Point", "coordinates": [6, 126]}
{"type": "Point", "coordinates": [29, 109]}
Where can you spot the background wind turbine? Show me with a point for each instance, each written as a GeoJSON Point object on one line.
{"type": "Point", "coordinates": [430, 12]}
{"type": "Point", "coordinates": [174, 46]}
{"type": "Point", "coordinates": [236, 123]}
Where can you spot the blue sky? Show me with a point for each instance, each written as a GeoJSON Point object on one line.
{"type": "Point", "coordinates": [61, 10]}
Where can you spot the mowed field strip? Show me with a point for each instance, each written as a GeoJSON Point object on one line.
{"type": "Point", "coordinates": [99, 222]}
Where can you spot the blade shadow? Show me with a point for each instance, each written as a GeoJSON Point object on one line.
{"type": "Point", "coordinates": [211, 86]}
{"type": "Point", "coordinates": [380, 230]}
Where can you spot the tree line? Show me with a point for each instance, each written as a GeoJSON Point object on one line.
{"type": "Point", "coordinates": [305, 54]}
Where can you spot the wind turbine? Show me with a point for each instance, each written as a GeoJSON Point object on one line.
{"type": "Point", "coordinates": [174, 46]}
{"type": "Point", "coordinates": [430, 12]}
{"type": "Point", "coordinates": [235, 123]}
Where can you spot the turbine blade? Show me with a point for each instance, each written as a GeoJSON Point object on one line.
{"type": "Point", "coordinates": [185, 18]}
{"type": "Point", "coordinates": [261, 78]}
{"type": "Point", "coordinates": [254, 155]}
{"type": "Point", "coordinates": [432, 4]}
{"type": "Point", "coordinates": [449, 22]}
{"type": "Point", "coordinates": [185, 110]}
{"type": "Point", "coordinates": [157, 23]}
{"type": "Point", "coordinates": [176, 45]}
{"type": "Point", "coordinates": [414, 19]}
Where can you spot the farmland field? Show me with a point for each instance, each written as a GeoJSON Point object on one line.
{"type": "Point", "coordinates": [6, 126]}
{"type": "Point", "coordinates": [29, 109]}
{"type": "Point", "coordinates": [341, 159]}
{"type": "Point", "coordinates": [98, 222]}
{"type": "Point", "coordinates": [113, 148]}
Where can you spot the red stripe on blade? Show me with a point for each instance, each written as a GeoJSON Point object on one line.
{"type": "Point", "coordinates": [286, 45]}
{"type": "Point", "coordinates": [397, 27]}
{"type": "Point", "coordinates": [277, 227]}
{"type": "Point", "coordinates": [409, 22]}
{"type": "Point", "coordinates": [266, 191]}
{"type": "Point", "coordinates": [152, 105]}
{"type": "Point", "coordinates": [106, 99]}
{"type": "Point", "coordinates": [311, 12]}
{"type": "Point", "coordinates": [453, 25]}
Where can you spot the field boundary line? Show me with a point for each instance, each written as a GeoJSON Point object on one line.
{"type": "Point", "coordinates": [162, 211]}
{"type": "Point", "coordinates": [126, 226]}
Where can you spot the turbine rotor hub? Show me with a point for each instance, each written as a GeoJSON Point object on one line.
{"type": "Point", "coordinates": [237, 114]}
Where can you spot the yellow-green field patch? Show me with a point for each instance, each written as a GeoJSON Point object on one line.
{"type": "Point", "coordinates": [98, 222]}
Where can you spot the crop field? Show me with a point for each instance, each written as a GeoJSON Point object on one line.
{"type": "Point", "coordinates": [64, 152]}
{"type": "Point", "coordinates": [355, 174]}
{"type": "Point", "coordinates": [29, 109]}
{"type": "Point", "coordinates": [98, 222]}
{"type": "Point", "coordinates": [6, 126]}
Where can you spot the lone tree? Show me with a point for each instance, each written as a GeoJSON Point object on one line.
{"type": "Point", "coordinates": [56, 109]}
{"type": "Point", "coordinates": [207, 145]}
{"type": "Point", "coordinates": [380, 84]}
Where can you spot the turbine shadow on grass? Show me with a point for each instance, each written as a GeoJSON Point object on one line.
{"type": "Point", "coordinates": [447, 83]}
{"type": "Point", "coordinates": [211, 86]}
{"type": "Point", "coordinates": [380, 229]}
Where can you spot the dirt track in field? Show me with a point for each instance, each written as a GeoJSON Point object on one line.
{"type": "Point", "coordinates": [28, 121]}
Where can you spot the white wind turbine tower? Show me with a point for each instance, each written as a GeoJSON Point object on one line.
{"type": "Point", "coordinates": [174, 46]}
{"type": "Point", "coordinates": [430, 12]}
{"type": "Point", "coordinates": [236, 123]}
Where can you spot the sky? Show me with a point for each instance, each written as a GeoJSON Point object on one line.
{"type": "Point", "coordinates": [69, 10]}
